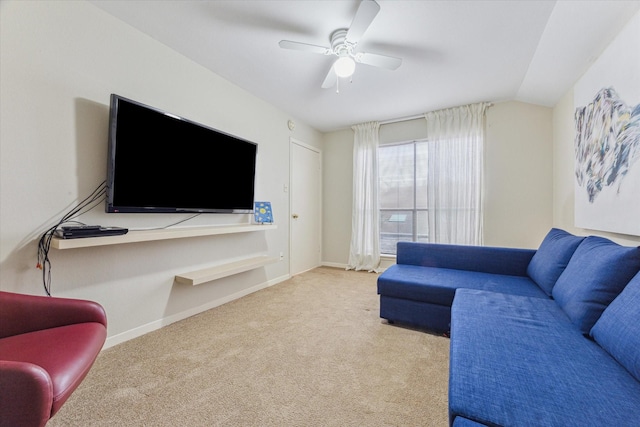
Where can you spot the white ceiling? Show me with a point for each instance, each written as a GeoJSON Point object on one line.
{"type": "Point", "coordinates": [454, 52]}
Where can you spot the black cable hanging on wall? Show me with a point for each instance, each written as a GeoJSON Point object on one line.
{"type": "Point", "coordinates": [44, 244]}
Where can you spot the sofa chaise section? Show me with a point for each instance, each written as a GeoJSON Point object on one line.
{"type": "Point", "coordinates": [520, 361]}
{"type": "Point", "coordinates": [419, 289]}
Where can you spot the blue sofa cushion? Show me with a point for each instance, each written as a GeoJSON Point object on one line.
{"type": "Point", "coordinates": [438, 285]}
{"type": "Point", "coordinates": [618, 329]}
{"type": "Point", "coordinates": [552, 258]}
{"type": "Point", "coordinates": [519, 361]}
{"type": "Point", "coordinates": [597, 272]}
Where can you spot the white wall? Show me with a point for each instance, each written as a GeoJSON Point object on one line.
{"type": "Point", "coordinates": [518, 178]}
{"type": "Point", "coordinates": [337, 188]}
{"type": "Point", "coordinates": [60, 62]}
{"type": "Point", "coordinates": [518, 175]}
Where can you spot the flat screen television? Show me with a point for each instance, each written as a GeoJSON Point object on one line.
{"type": "Point", "coordinates": [162, 163]}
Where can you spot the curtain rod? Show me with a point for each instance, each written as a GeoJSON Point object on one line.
{"type": "Point", "coordinates": [402, 119]}
{"type": "Point", "coordinates": [414, 117]}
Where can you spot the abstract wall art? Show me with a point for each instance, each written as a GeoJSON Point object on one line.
{"type": "Point", "coordinates": [607, 142]}
{"type": "Point", "coordinates": [607, 138]}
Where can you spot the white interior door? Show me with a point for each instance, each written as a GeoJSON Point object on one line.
{"type": "Point", "coordinates": [306, 208]}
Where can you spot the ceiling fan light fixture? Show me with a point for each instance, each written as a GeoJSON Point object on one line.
{"type": "Point", "coordinates": [344, 66]}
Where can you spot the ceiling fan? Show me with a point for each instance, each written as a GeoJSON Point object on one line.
{"type": "Point", "coordinates": [343, 45]}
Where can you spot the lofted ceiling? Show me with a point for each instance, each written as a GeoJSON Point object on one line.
{"type": "Point", "coordinates": [453, 52]}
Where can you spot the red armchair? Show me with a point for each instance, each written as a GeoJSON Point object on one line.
{"type": "Point", "coordinates": [47, 346]}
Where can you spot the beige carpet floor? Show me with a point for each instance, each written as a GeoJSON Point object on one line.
{"type": "Point", "coordinates": [310, 351]}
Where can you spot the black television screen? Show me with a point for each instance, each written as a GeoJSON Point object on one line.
{"type": "Point", "coordinates": [159, 162]}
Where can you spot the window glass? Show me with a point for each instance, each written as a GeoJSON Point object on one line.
{"type": "Point", "coordinates": [402, 170]}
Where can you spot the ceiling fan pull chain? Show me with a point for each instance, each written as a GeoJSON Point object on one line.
{"type": "Point", "coordinates": [338, 85]}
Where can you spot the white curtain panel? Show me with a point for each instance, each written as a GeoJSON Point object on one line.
{"type": "Point", "coordinates": [364, 253]}
{"type": "Point", "coordinates": [455, 173]}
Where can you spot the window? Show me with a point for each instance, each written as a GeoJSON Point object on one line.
{"type": "Point", "coordinates": [431, 190]}
{"type": "Point", "coordinates": [402, 189]}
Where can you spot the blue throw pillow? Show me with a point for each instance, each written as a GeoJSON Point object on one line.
{"type": "Point", "coordinates": [597, 272]}
{"type": "Point", "coordinates": [552, 258]}
{"type": "Point", "coordinates": [618, 329]}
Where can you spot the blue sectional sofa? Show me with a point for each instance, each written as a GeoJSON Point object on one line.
{"type": "Point", "coordinates": [546, 337]}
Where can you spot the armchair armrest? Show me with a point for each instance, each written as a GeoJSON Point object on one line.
{"type": "Point", "coordinates": [485, 259]}
{"type": "Point", "coordinates": [31, 394]}
{"type": "Point", "coordinates": [21, 313]}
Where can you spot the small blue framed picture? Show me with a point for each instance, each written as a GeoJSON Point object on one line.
{"type": "Point", "coordinates": [262, 212]}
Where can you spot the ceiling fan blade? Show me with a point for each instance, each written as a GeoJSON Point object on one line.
{"type": "Point", "coordinates": [367, 11]}
{"type": "Point", "coordinates": [330, 80]}
{"type": "Point", "coordinates": [287, 44]}
{"type": "Point", "coordinates": [382, 61]}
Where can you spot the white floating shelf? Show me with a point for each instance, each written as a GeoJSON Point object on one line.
{"type": "Point", "coordinates": [219, 271]}
{"type": "Point", "coordinates": [162, 234]}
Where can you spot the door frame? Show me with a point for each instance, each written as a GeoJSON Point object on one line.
{"type": "Point", "coordinates": [295, 141]}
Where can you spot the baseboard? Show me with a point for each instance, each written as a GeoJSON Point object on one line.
{"type": "Point", "coordinates": [384, 264]}
{"type": "Point", "coordinates": [165, 321]}
{"type": "Point", "coordinates": [334, 264]}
